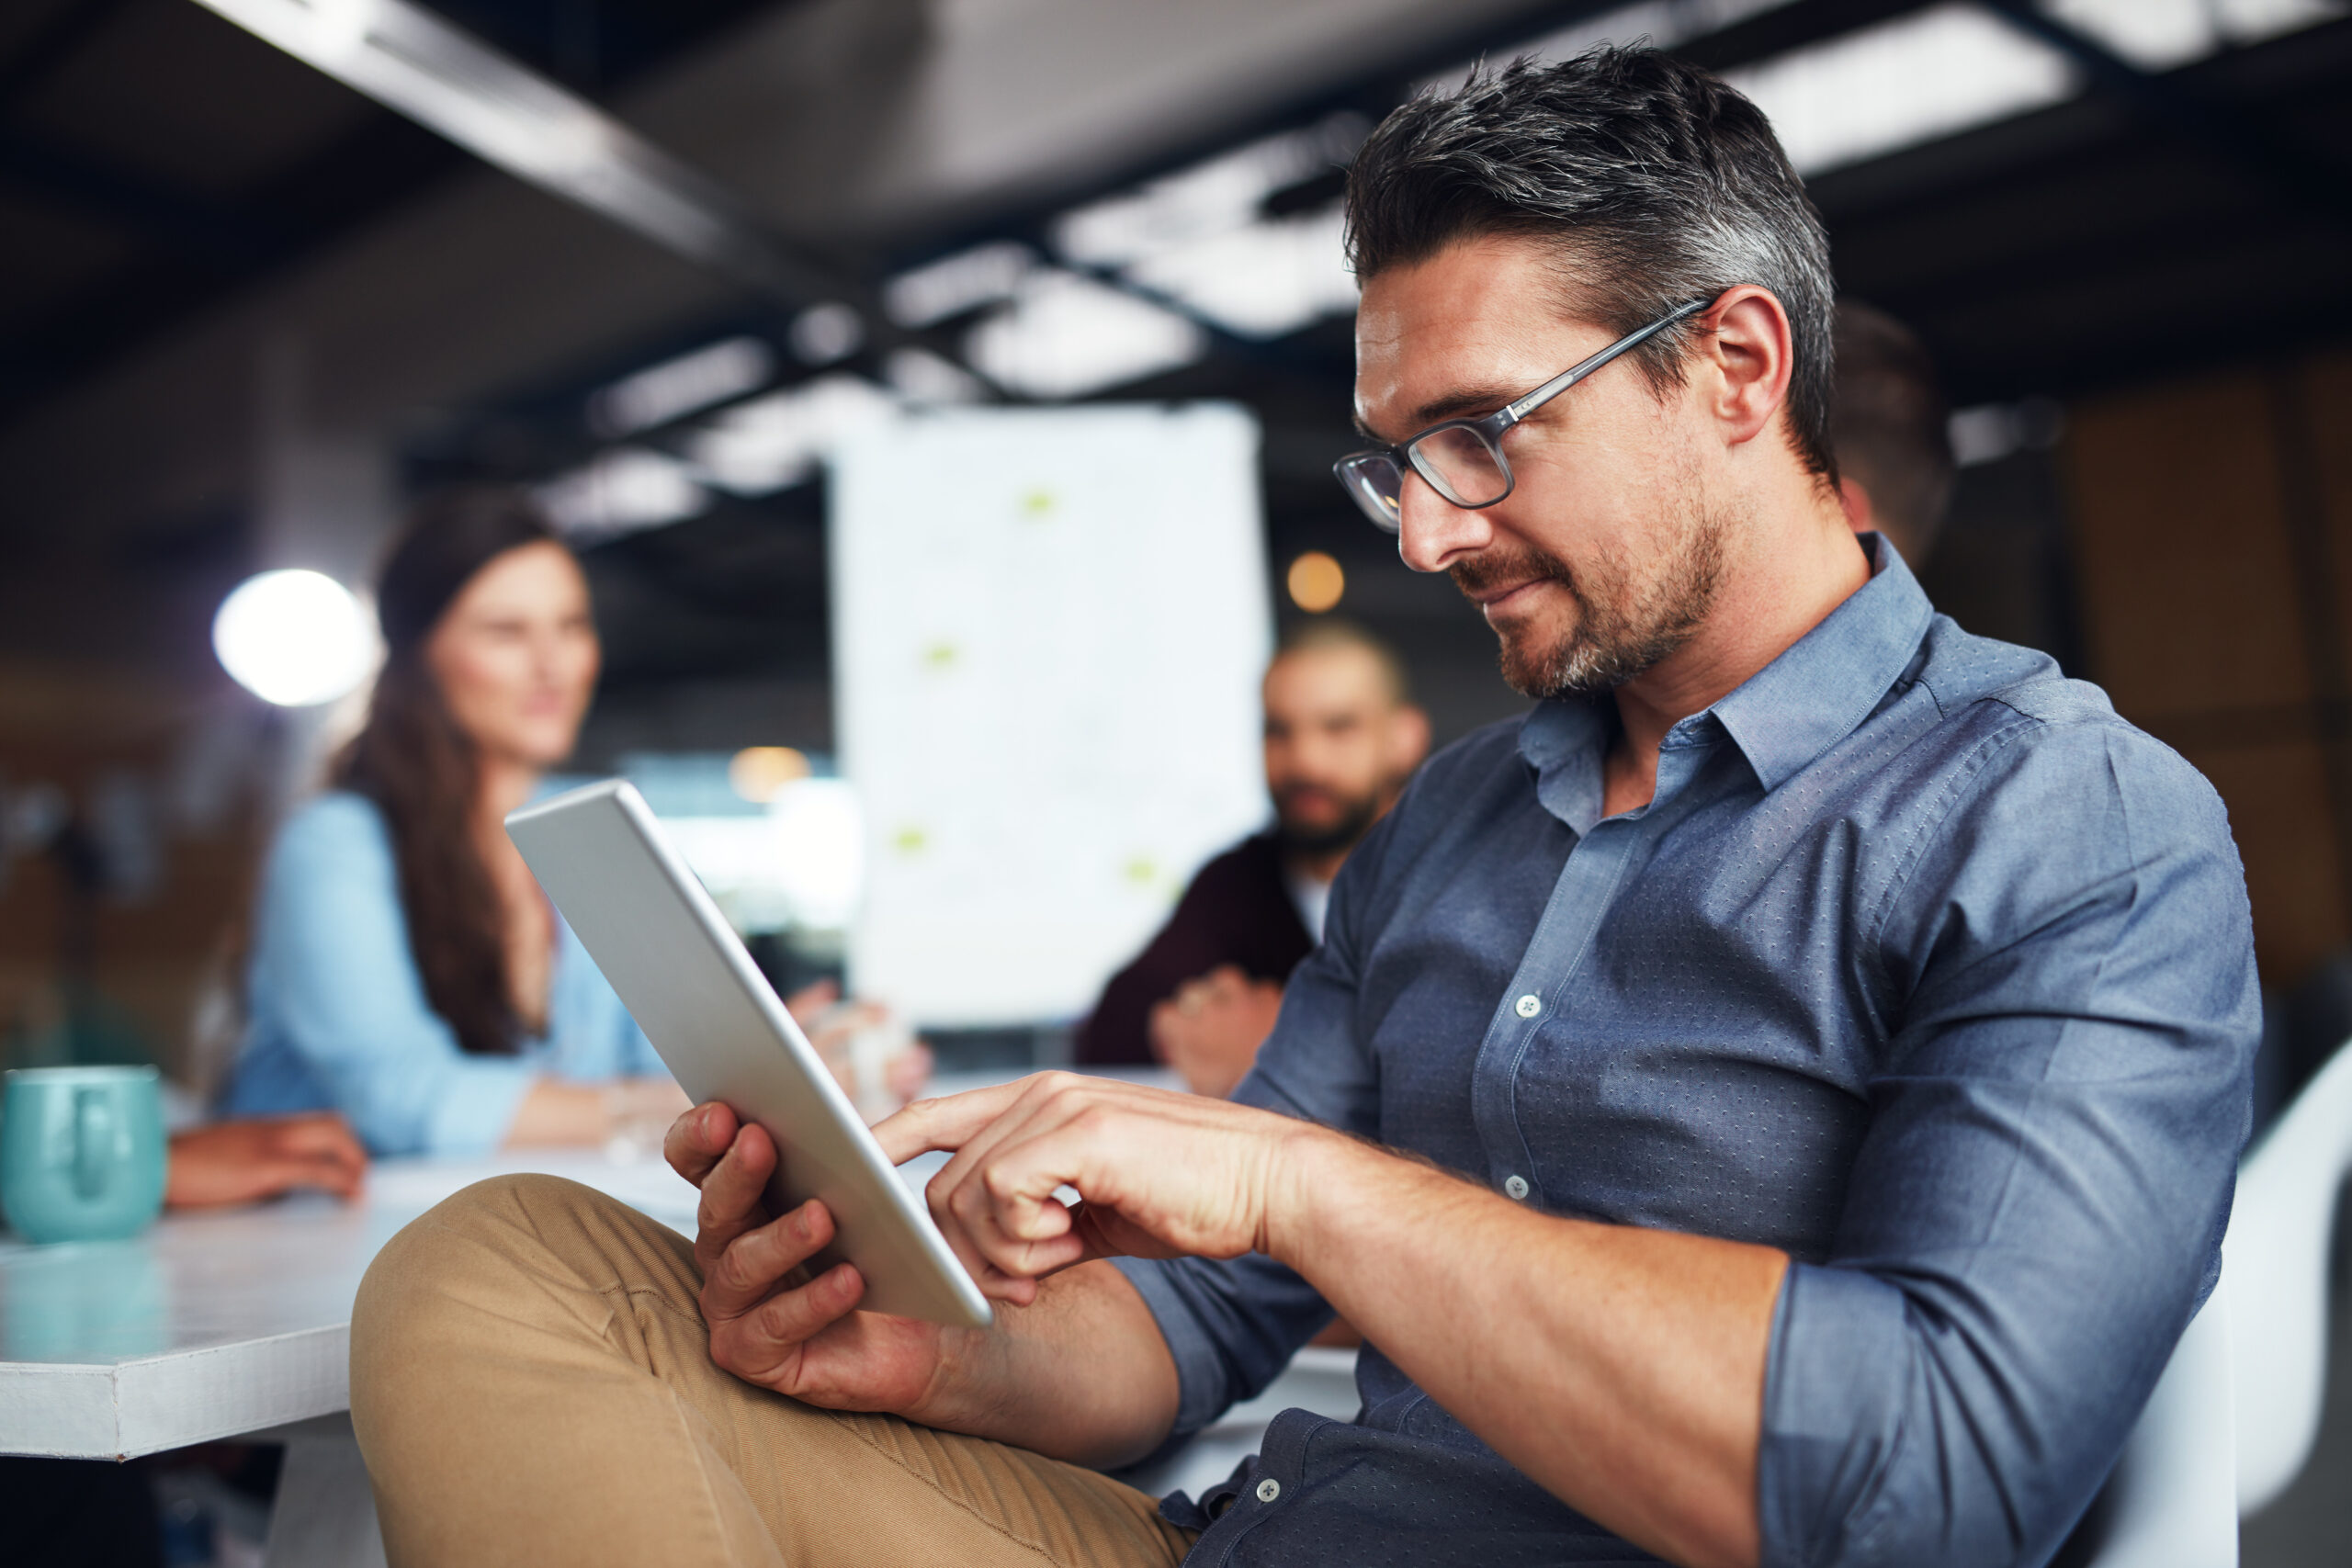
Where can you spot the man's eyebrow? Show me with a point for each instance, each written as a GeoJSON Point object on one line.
{"type": "Point", "coordinates": [1454, 405]}
{"type": "Point", "coordinates": [1464, 400]}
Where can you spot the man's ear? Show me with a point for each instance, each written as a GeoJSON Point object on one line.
{"type": "Point", "coordinates": [1745, 359]}
{"type": "Point", "coordinates": [1408, 739]}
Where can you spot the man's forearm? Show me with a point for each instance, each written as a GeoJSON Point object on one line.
{"type": "Point", "coordinates": [1080, 1374]}
{"type": "Point", "coordinates": [1622, 1369]}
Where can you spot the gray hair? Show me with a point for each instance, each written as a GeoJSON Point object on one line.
{"type": "Point", "coordinates": [1660, 184]}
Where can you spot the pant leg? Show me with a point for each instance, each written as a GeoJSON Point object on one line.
{"type": "Point", "coordinates": [531, 1383]}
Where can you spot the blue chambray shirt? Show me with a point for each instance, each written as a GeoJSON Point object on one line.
{"type": "Point", "coordinates": [1922, 966]}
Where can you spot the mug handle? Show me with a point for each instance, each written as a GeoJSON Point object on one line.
{"type": "Point", "coordinates": [93, 1140]}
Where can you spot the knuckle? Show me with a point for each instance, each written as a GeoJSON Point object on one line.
{"type": "Point", "coordinates": [735, 1271]}
{"type": "Point", "coordinates": [784, 1318]}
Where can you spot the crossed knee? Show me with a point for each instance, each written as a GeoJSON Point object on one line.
{"type": "Point", "coordinates": [469, 1262]}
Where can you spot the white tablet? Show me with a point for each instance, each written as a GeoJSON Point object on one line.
{"type": "Point", "coordinates": [717, 1023]}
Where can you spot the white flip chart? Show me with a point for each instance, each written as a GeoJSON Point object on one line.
{"type": "Point", "coordinates": [1048, 630]}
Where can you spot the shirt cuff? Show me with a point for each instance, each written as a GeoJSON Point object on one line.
{"type": "Point", "coordinates": [1832, 1433]}
{"type": "Point", "coordinates": [477, 1105]}
{"type": "Point", "coordinates": [1201, 1392]}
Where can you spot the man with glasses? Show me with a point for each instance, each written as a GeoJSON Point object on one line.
{"type": "Point", "coordinates": [1776, 1103]}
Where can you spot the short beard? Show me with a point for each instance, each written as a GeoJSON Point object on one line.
{"type": "Point", "coordinates": [1342, 834]}
{"type": "Point", "coordinates": [1622, 629]}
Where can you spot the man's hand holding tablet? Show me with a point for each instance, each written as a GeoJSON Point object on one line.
{"type": "Point", "coordinates": [1164, 1174]}
{"type": "Point", "coordinates": [770, 1322]}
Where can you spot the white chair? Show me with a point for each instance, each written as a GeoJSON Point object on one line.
{"type": "Point", "coordinates": [2171, 1501]}
{"type": "Point", "coordinates": [2235, 1417]}
{"type": "Point", "coordinates": [2277, 1253]}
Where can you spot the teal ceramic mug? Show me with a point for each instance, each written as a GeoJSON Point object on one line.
{"type": "Point", "coordinates": [82, 1152]}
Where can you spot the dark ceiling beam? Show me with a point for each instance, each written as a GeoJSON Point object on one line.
{"type": "Point", "coordinates": [2305, 175]}
{"type": "Point", "coordinates": [1786, 27]}
{"type": "Point", "coordinates": [414, 61]}
{"type": "Point", "coordinates": [52, 44]}
{"type": "Point", "coordinates": [224, 238]}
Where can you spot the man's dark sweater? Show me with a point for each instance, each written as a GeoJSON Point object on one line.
{"type": "Point", "coordinates": [1237, 912]}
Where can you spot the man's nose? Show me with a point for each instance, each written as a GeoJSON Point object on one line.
{"type": "Point", "coordinates": [1432, 532]}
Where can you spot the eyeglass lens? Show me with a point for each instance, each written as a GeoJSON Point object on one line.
{"type": "Point", "coordinates": [1379, 488]}
{"type": "Point", "coordinates": [1461, 466]}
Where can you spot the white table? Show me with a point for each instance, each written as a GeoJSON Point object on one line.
{"type": "Point", "coordinates": [238, 1325]}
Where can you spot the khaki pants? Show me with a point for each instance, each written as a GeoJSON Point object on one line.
{"type": "Point", "coordinates": [532, 1383]}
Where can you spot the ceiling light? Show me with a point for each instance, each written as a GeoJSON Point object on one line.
{"type": "Point", "coordinates": [777, 440]}
{"type": "Point", "coordinates": [955, 284]}
{"type": "Point", "coordinates": [1263, 281]}
{"type": "Point", "coordinates": [1213, 197]}
{"type": "Point", "coordinates": [1900, 83]}
{"type": "Point", "coordinates": [663, 392]}
{"type": "Point", "coordinates": [294, 638]}
{"type": "Point", "coordinates": [823, 334]}
{"type": "Point", "coordinates": [926, 380]}
{"type": "Point", "coordinates": [2249, 21]}
{"type": "Point", "coordinates": [2156, 35]}
{"type": "Point", "coordinates": [1066, 336]}
{"type": "Point", "coordinates": [621, 491]}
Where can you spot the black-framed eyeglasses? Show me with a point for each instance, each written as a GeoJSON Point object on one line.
{"type": "Point", "coordinates": [1463, 459]}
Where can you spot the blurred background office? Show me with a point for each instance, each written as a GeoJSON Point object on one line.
{"type": "Point", "coordinates": [940, 397]}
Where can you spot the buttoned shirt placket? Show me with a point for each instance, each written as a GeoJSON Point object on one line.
{"type": "Point", "coordinates": [1581, 897]}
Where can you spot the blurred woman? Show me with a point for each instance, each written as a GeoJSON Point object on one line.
{"type": "Point", "coordinates": [407, 970]}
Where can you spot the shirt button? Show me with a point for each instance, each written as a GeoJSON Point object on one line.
{"type": "Point", "coordinates": [1515, 1186]}
{"type": "Point", "coordinates": [1269, 1489]}
{"type": "Point", "coordinates": [1529, 1005]}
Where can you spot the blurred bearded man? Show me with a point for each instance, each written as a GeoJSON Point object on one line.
{"type": "Point", "coordinates": [1342, 737]}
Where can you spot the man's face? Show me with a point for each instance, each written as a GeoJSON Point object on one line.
{"type": "Point", "coordinates": [1606, 556]}
{"type": "Point", "coordinates": [1338, 746]}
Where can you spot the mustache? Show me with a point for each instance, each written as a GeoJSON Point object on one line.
{"type": "Point", "coordinates": [1289, 793]}
{"type": "Point", "coordinates": [1499, 568]}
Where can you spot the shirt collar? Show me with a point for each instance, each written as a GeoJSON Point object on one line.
{"type": "Point", "coordinates": [1812, 697]}
{"type": "Point", "coordinates": [1821, 688]}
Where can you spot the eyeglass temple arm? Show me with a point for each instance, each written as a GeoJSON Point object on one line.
{"type": "Point", "coordinates": [1522, 406]}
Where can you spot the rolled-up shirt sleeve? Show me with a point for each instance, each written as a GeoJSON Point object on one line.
{"type": "Point", "coordinates": [1233, 1326]}
{"type": "Point", "coordinates": [2038, 1204]}
{"type": "Point", "coordinates": [331, 946]}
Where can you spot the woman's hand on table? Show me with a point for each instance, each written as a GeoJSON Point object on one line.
{"type": "Point", "coordinates": [833, 1027]}
{"type": "Point", "coordinates": [637, 1112]}
{"type": "Point", "coordinates": [243, 1161]}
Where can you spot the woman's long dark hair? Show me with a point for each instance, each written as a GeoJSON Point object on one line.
{"type": "Point", "coordinates": [424, 772]}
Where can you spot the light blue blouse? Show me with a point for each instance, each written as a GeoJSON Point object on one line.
{"type": "Point", "coordinates": [338, 1019]}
